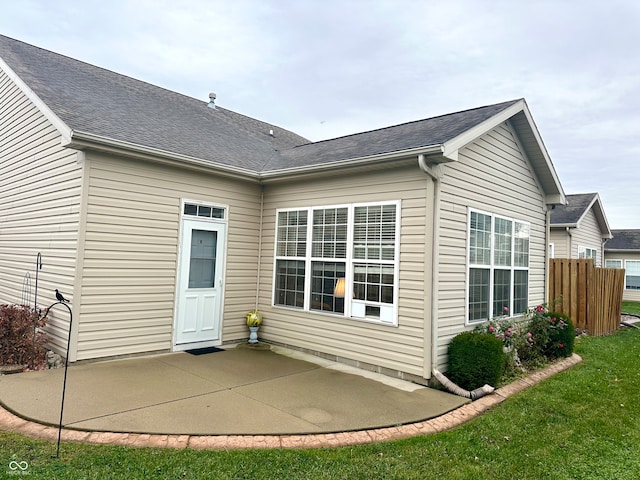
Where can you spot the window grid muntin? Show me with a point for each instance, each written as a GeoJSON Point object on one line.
{"type": "Point", "coordinates": [388, 210]}
{"type": "Point", "coordinates": [478, 222]}
{"type": "Point", "coordinates": [374, 232]}
{"type": "Point", "coordinates": [324, 278]}
{"type": "Point", "coordinates": [290, 278]}
{"type": "Point", "coordinates": [632, 275]}
{"type": "Point", "coordinates": [203, 211]}
{"type": "Point", "coordinates": [292, 233]}
{"type": "Point", "coordinates": [329, 237]}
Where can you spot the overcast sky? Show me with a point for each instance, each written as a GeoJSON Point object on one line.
{"type": "Point", "coordinates": [328, 68]}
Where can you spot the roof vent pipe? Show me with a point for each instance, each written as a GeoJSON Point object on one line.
{"type": "Point", "coordinates": [212, 100]}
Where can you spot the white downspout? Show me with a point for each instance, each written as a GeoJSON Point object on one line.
{"type": "Point", "coordinates": [435, 172]}
{"type": "Point", "coordinates": [259, 247]}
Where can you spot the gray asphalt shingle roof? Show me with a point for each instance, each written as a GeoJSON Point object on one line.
{"type": "Point", "coordinates": [573, 211]}
{"type": "Point", "coordinates": [95, 101]}
{"type": "Point", "coordinates": [421, 133]}
{"type": "Point", "coordinates": [624, 240]}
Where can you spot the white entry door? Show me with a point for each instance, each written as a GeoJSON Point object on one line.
{"type": "Point", "coordinates": [200, 277]}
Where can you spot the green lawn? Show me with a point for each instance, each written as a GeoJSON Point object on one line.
{"type": "Point", "coordinates": [631, 307]}
{"type": "Point", "coordinates": [581, 424]}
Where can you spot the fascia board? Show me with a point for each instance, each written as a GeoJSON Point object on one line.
{"type": "Point", "coordinates": [543, 150]}
{"type": "Point", "coordinates": [563, 225]}
{"type": "Point", "coordinates": [586, 211]}
{"type": "Point", "coordinates": [56, 121]}
{"type": "Point", "coordinates": [352, 162]}
{"type": "Point", "coordinates": [601, 218]}
{"type": "Point", "coordinates": [451, 147]}
{"type": "Point", "coordinates": [83, 140]}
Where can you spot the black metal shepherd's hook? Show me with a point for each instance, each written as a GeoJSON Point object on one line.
{"type": "Point", "coordinates": [38, 267]}
{"type": "Point", "coordinates": [35, 305]}
{"type": "Point", "coordinates": [66, 366]}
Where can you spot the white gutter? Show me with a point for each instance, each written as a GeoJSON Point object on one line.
{"type": "Point", "coordinates": [82, 140]}
{"type": "Point", "coordinates": [353, 162]}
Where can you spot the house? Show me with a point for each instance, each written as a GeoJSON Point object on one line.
{"type": "Point", "coordinates": [579, 228]}
{"type": "Point", "coordinates": [164, 219]}
{"type": "Point", "coordinates": [623, 251]}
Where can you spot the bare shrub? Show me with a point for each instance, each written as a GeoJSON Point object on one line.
{"type": "Point", "coordinates": [22, 341]}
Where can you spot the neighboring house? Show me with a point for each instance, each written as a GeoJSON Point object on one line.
{"type": "Point", "coordinates": [623, 251]}
{"type": "Point", "coordinates": [164, 220]}
{"type": "Point", "coordinates": [579, 228]}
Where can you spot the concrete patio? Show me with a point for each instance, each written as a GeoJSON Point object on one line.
{"type": "Point", "coordinates": [238, 391]}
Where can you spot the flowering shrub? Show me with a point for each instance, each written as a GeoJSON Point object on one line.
{"type": "Point", "coordinates": [553, 332]}
{"type": "Point", "coordinates": [517, 342]}
{"type": "Point", "coordinates": [21, 340]}
{"type": "Point", "coordinates": [533, 340]}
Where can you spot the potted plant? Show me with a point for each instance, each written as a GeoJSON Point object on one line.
{"type": "Point", "coordinates": [254, 320]}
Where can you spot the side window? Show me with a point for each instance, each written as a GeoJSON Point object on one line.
{"type": "Point", "coordinates": [498, 266]}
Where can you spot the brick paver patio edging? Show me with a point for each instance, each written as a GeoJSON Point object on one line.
{"type": "Point", "coordinates": [12, 423]}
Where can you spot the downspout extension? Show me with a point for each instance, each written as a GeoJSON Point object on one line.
{"type": "Point", "coordinates": [435, 172]}
{"type": "Point", "coordinates": [457, 390]}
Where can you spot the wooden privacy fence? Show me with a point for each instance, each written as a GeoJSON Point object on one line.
{"type": "Point", "coordinates": [590, 295]}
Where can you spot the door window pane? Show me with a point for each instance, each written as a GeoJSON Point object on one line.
{"type": "Point", "coordinates": [202, 265]}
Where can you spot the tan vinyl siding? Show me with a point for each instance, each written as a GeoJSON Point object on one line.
{"type": "Point", "coordinates": [587, 235]}
{"type": "Point", "coordinates": [561, 243]}
{"type": "Point", "coordinates": [398, 348]}
{"type": "Point", "coordinates": [131, 253]}
{"type": "Point", "coordinates": [491, 175]}
{"type": "Point", "coordinates": [40, 191]}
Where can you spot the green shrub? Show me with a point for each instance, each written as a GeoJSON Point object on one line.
{"type": "Point", "coordinates": [475, 359]}
{"type": "Point", "coordinates": [553, 333]}
{"type": "Point", "coordinates": [562, 335]}
{"type": "Point", "coordinates": [21, 340]}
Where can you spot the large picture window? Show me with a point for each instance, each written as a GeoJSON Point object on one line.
{"type": "Point", "coordinates": [344, 263]}
{"type": "Point", "coordinates": [498, 259]}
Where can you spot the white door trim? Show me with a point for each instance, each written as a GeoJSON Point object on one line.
{"type": "Point", "coordinates": [189, 223]}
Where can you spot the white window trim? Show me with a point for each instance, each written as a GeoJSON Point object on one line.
{"type": "Point", "coordinates": [552, 250]}
{"type": "Point", "coordinates": [619, 260]}
{"type": "Point", "coordinates": [626, 262]}
{"type": "Point", "coordinates": [348, 260]}
{"type": "Point", "coordinates": [584, 250]}
{"type": "Point", "coordinates": [185, 201]}
{"type": "Point", "coordinates": [492, 266]}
